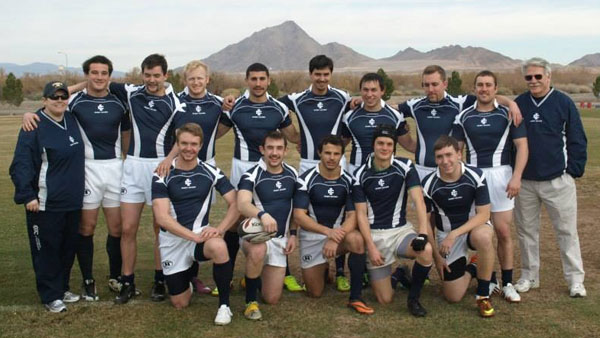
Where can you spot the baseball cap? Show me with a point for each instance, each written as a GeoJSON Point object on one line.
{"type": "Point", "coordinates": [53, 86]}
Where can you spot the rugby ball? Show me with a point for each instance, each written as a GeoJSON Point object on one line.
{"type": "Point", "coordinates": [251, 230]}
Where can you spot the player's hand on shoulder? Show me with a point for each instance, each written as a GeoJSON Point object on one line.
{"type": "Point", "coordinates": [33, 206]}
{"type": "Point", "coordinates": [514, 113]}
{"type": "Point", "coordinates": [330, 249]}
{"type": "Point", "coordinates": [355, 102]}
{"type": "Point", "coordinates": [163, 167]}
{"type": "Point", "coordinates": [269, 223]}
{"type": "Point", "coordinates": [228, 102]}
{"type": "Point", "coordinates": [30, 121]}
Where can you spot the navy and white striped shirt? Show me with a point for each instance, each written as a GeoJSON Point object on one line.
{"type": "Point", "coordinates": [318, 116]}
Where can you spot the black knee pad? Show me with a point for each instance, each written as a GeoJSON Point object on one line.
{"type": "Point", "coordinates": [458, 268]}
{"type": "Point", "coordinates": [178, 283]}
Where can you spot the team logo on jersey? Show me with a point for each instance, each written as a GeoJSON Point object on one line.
{"type": "Point", "coordinates": [167, 264]}
{"type": "Point", "coordinates": [73, 142]}
{"type": "Point", "coordinates": [454, 193]}
{"type": "Point", "coordinates": [100, 109]}
{"type": "Point", "coordinates": [320, 106]}
{"type": "Point", "coordinates": [381, 184]}
{"type": "Point", "coordinates": [455, 196]}
{"type": "Point", "coordinates": [198, 109]}
{"type": "Point", "coordinates": [372, 122]}
{"type": "Point", "coordinates": [258, 114]}
{"type": "Point", "coordinates": [536, 118]}
{"type": "Point", "coordinates": [433, 112]}
{"type": "Point", "coordinates": [188, 184]}
{"type": "Point", "coordinates": [483, 123]}
{"type": "Point", "coordinates": [330, 191]}
{"type": "Point", "coordinates": [150, 105]}
{"type": "Point", "coordinates": [87, 192]}
{"type": "Point", "coordinates": [123, 191]}
{"type": "Point", "coordinates": [279, 187]}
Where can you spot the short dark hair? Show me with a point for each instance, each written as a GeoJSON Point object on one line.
{"type": "Point", "coordinates": [257, 67]}
{"type": "Point", "coordinates": [320, 62]}
{"type": "Point", "coordinates": [192, 128]}
{"type": "Point", "coordinates": [384, 130]}
{"type": "Point", "coordinates": [332, 139]}
{"type": "Point", "coordinates": [486, 73]}
{"type": "Point", "coordinates": [154, 60]}
{"type": "Point", "coordinates": [97, 59]}
{"type": "Point", "coordinates": [435, 69]}
{"type": "Point", "coordinates": [372, 77]}
{"type": "Point", "coordinates": [445, 141]}
{"type": "Point", "coordinates": [274, 135]}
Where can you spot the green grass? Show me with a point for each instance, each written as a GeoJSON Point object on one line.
{"type": "Point", "coordinates": [547, 311]}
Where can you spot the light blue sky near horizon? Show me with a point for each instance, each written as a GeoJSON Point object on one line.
{"type": "Point", "coordinates": [127, 31]}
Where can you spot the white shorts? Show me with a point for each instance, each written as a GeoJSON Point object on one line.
{"type": "Point", "coordinates": [424, 171]}
{"type": "Point", "coordinates": [309, 164]}
{"type": "Point", "coordinates": [461, 245]}
{"type": "Point", "coordinates": [136, 184]}
{"type": "Point", "coordinates": [102, 183]}
{"type": "Point", "coordinates": [387, 242]}
{"type": "Point", "coordinates": [497, 179]}
{"type": "Point", "coordinates": [275, 255]}
{"type": "Point", "coordinates": [238, 168]}
{"type": "Point", "coordinates": [311, 248]}
{"type": "Point", "coordinates": [176, 253]}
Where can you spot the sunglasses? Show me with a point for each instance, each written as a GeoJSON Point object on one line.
{"type": "Point", "coordinates": [55, 97]}
{"type": "Point", "coordinates": [536, 76]}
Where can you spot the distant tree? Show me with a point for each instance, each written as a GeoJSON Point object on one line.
{"type": "Point", "coordinates": [596, 87]}
{"type": "Point", "coordinates": [273, 89]}
{"type": "Point", "coordinates": [454, 84]}
{"type": "Point", "coordinates": [12, 92]}
{"type": "Point", "coordinates": [133, 76]}
{"type": "Point", "coordinates": [175, 80]}
{"type": "Point", "coordinates": [388, 83]}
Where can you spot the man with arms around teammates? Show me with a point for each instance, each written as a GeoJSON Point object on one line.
{"type": "Point", "coordinates": [380, 191]}
{"type": "Point", "coordinates": [324, 210]}
{"type": "Point", "coordinates": [181, 205]}
{"type": "Point", "coordinates": [489, 134]}
{"type": "Point", "coordinates": [266, 192]}
{"type": "Point", "coordinates": [457, 196]}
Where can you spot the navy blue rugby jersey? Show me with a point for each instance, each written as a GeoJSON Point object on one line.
{"type": "Point", "coordinates": [207, 113]}
{"type": "Point", "coordinates": [433, 119]}
{"type": "Point", "coordinates": [454, 202]}
{"type": "Point", "coordinates": [48, 164]}
{"type": "Point", "coordinates": [385, 191]}
{"type": "Point", "coordinates": [101, 120]}
{"type": "Point", "coordinates": [489, 135]}
{"type": "Point", "coordinates": [190, 192]}
{"type": "Point", "coordinates": [252, 121]}
{"type": "Point", "coordinates": [151, 118]}
{"type": "Point", "coordinates": [360, 124]}
{"type": "Point", "coordinates": [318, 116]}
{"type": "Point", "coordinates": [327, 201]}
{"type": "Point", "coordinates": [273, 193]}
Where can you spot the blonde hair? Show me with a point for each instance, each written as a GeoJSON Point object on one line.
{"type": "Point", "coordinates": [193, 65]}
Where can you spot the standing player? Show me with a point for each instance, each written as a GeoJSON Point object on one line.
{"type": "Point", "coordinates": [489, 134]}
{"type": "Point", "coordinates": [380, 192]}
{"type": "Point", "coordinates": [459, 197]}
{"type": "Point", "coordinates": [181, 205]}
{"type": "Point", "coordinates": [323, 208]}
{"type": "Point", "coordinates": [104, 124]}
{"type": "Point", "coordinates": [557, 156]}
{"type": "Point", "coordinates": [266, 192]}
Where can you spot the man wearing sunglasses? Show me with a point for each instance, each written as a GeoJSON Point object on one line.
{"type": "Point", "coordinates": [557, 155]}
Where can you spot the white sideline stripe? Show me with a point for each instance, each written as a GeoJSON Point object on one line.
{"type": "Point", "coordinates": [81, 303]}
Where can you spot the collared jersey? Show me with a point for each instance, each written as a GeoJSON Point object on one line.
{"type": "Point", "coordinates": [360, 124]}
{"type": "Point", "coordinates": [385, 191]}
{"type": "Point", "coordinates": [207, 113]}
{"type": "Point", "coordinates": [190, 192]}
{"type": "Point", "coordinates": [318, 116]}
{"type": "Point", "coordinates": [432, 120]}
{"type": "Point", "coordinates": [326, 200]}
{"type": "Point", "coordinates": [101, 121]}
{"type": "Point", "coordinates": [252, 121]}
{"type": "Point", "coordinates": [151, 117]}
{"type": "Point", "coordinates": [454, 202]}
{"type": "Point", "coordinates": [48, 164]}
{"type": "Point", "coordinates": [556, 138]}
{"type": "Point", "coordinates": [273, 193]}
{"type": "Point", "coordinates": [489, 135]}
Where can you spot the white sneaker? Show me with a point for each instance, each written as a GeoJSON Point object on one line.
{"type": "Point", "coordinates": [224, 315]}
{"type": "Point", "coordinates": [494, 289]}
{"type": "Point", "coordinates": [524, 285]}
{"type": "Point", "coordinates": [510, 294]}
{"type": "Point", "coordinates": [70, 297]}
{"type": "Point", "coordinates": [56, 306]}
{"type": "Point", "coordinates": [577, 290]}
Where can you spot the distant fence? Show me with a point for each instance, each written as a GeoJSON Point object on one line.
{"type": "Point", "coordinates": [589, 105]}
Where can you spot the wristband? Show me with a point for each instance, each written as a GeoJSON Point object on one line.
{"type": "Point", "coordinates": [260, 214]}
{"type": "Point", "coordinates": [293, 232]}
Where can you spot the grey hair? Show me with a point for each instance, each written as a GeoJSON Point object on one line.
{"type": "Point", "coordinates": [536, 62]}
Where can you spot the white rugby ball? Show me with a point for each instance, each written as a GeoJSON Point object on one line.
{"type": "Point", "coordinates": [251, 230]}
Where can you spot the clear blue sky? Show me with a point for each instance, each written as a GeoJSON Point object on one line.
{"type": "Point", "coordinates": [128, 30]}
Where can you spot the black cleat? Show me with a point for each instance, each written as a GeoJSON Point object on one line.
{"type": "Point", "coordinates": [415, 308]}
{"type": "Point", "coordinates": [88, 290]}
{"type": "Point", "coordinates": [125, 294]}
{"type": "Point", "coordinates": [158, 291]}
{"type": "Point", "coordinates": [402, 275]}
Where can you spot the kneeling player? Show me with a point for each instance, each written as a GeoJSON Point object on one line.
{"type": "Point", "coordinates": [323, 208]}
{"type": "Point", "coordinates": [266, 192]}
{"type": "Point", "coordinates": [380, 192]}
{"type": "Point", "coordinates": [459, 197]}
{"type": "Point", "coordinates": [181, 204]}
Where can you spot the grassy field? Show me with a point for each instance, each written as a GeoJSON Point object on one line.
{"type": "Point", "coordinates": [547, 311]}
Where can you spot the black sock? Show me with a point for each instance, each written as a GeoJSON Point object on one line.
{"type": "Point", "coordinates": [232, 239]}
{"type": "Point", "coordinates": [493, 278]}
{"type": "Point", "coordinates": [419, 273]}
{"type": "Point", "coordinates": [252, 285]}
{"type": "Point", "coordinates": [287, 266]}
{"type": "Point", "coordinates": [158, 276]}
{"type": "Point", "coordinates": [85, 255]}
{"type": "Point", "coordinates": [128, 279]}
{"type": "Point", "coordinates": [483, 288]}
{"type": "Point", "coordinates": [356, 265]}
{"type": "Point", "coordinates": [222, 274]}
{"type": "Point", "coordinates": [194, 269]}
{"type": "Point", "coordinates": [339, 265]}
{"type": "Point", "coordinates": [506, 277]}
{"type": "Point", "coordinates": [472, 270]}
{"type": "Point", "coordinates": [113, 249]}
